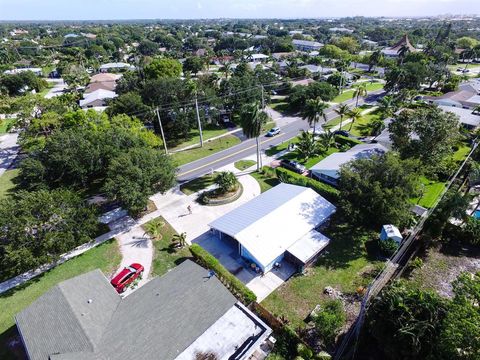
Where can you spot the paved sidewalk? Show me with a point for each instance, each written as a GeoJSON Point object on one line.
{"type": "Point", "coordinates": [8, 151]}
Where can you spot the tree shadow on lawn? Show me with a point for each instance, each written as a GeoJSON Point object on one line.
{"type": "Point", "coordinates": [11, 347]}
{"type": "Point", "coordinates": [347, 243]}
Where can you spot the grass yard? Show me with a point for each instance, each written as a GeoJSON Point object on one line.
{"type": "Point", "coordinates": [105, 257]}
{"type": "Point", "coordinates": [344, 266]}
{"type": "Point", "coordinates": [431, 192]}
{"type": "Point", "coordinates": [166, 256]}
{"type": "Point", "coordinates": [462, 152]}
{"type": "Point", "coordinates": [208, 133]}
{"type": "Point", "coordinates": [362, 127]}
{"type": "Point", "coordinates": [5, 125]}
{"type": "Point", "coordinates": [7, 182]}
{"type": "Point", "coordinates": [280, 147]}
{"type": "Point", "coordinates": [294, 155]}
{"type": "Point", "coordinates": [347, 94]}
{"type": "Point", "coordinates": [266, 182]}
{"type": "Point", "coordinates": [244, 164]}
{"type": "Point", "coordinates": [197, 184]}
{"type": "Point", "coordinates": [209, 148]}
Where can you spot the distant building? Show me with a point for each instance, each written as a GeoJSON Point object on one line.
{"type": "Point", "coordinates": [116, 66]}
{"type": "Point", "coordinates": [467, 96]}
{"type": "Point", "coordinates": [328, 170]}
{"type": "Point", "coordinates": [172, 317]}
{"type": "Point", "coordinates": [341, 29]}
{"type": "Point", "coordinates": [393, 52]}
{"type": "Point", "coordinates": [305, 45]}
{"type": "Point", "coordinates": [36, 71]}
{"type": "Point", "coordinates": [316, 69]}
{"type": "Point", "coordinates": [97, 98]}
{"type": "Point", "coordinates": [467, 117]}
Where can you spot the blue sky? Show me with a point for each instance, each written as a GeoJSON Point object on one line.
{"type": "Point", "coordinates": [193, 9]}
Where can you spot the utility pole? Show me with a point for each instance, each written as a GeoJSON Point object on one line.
{"type": "Point", "coordinates": [198, 120]}
{"type": "Point", "coordinates": [263, 98]}
{"type": "Point", "coordinates": [161, 130]}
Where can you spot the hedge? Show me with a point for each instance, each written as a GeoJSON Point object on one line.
{"type": "Point", "coordinates": [343, 140]}
{"type": "Point", "coordinates": [327, 191]}
{"type": "Point", "coordinates": [228, 279]}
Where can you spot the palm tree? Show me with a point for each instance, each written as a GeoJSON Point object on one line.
{"type": "Point", "coordinates": [326, 140]}
{"type": "Point", "coordinates": [226, 181]}
{"type": "Point", "coordinates": [341, 111]}
{"type": "Point", "coordinates": [376, 126]}
{"type": "Point", "coordinates": [181, 239]}
{"type": "Point", "coordinates": [314, 110]}
{"type": "Point", "coordinates": [252, 120]}
{"type": "Point", "coordinates": [374, 59]}
{"type": "Point", "coordinates": [354, 114]}
{"type": "Point", "coordinates": [402, 52]}
{"type": "Point", "coordinates": [361, 90]}
{"type": "Point", "coordinates": [227, 69]}
{"type": "Point", "coordinates": [306, 145]}
{"type": "Point", "coordinates": [385, 105]}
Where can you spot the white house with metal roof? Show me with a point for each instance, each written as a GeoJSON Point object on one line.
{"type": "Point", "coordinates": [306, 45]}
{"type": "Point", "coordinates": [328, 169]}
{"type": "Point", "coordinates": [97, 98]}
{"type": "Point", "coordinates": [279, 223]}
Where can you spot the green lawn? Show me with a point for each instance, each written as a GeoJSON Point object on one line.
{"type": "Point", "coordinates": [5, 125]}
{"type": "Point", "coordinates": [266, 182]}
{"type": "Point", "coordinates": [347, 94]}
{"type": "Point", "coordinates": [294, 155]}
{"type": "Point", "coordinates": [208, 133]}
{"type": "Point", "coordinates": [431, 192]}
{"type": "Point", "coordinates": [280, 147]}
{"type": "Point", "coordinates": [166, 256]}
{"type": "Point", "coordinates": [462, 152]}
{"type": "Point", "coordinates": [197, 184]}
{"type": "Point", "coordinates": [361, 127]}
{"type": "Point", "coordinates": [7, 182]}
{"type": "Point", "coordinates": [244, 164]}
{"type": "Point", "coordinates": [209, 148]}
{"type": "Point", "coordinates": [105, 257]}
{"type": "Point", "coordinates": [345, 266]}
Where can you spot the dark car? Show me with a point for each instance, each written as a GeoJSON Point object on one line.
{"type": "Point", "coordinates": [342, 133]}
{"type": "Point", "coordinates": [293, 166]}
{"type": "Point", "coordinates": [127, 276]}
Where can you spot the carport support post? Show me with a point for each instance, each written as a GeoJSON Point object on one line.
{"type": "Point", "coordinates": [161, 130]}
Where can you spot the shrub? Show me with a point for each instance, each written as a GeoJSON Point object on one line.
{"type": "Point", "coordinates": [230, 281]}
{"type": "Point", "coordinates": [226, 181]}
{"type": "Point", "coordinates": [387, 247]}
{"type": "Point", "coordinates": [329, 321]}
{"type": "Point", "coordinates": [327, 191]}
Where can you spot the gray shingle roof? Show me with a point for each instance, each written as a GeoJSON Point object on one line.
{"type": "Point", "coordinates": [158, 321]}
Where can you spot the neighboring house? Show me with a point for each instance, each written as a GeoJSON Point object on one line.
{"type": "Point", "coordinates": [467, 118]}
{"type": "Point", "coordinates": [303, 82]}
{"type": "Point", "coordinates": [295, 32]}
{"type": "Point", "coordinates": [97, 98]}
{"type": "Point", "coordinates": [328, 169]}
{"type": "Point", "coordinates": [467, 96]}
{"type": "Point", "coordinates": [258, 58]}
{"type": "Point", "coordinates": [391, 232]}
{"type": "Point", "coordinates": [393, 52]}
{"type": "Point", "coordinates": [305, 45]}
{"type": "Point", "coordinates": [102, 81]}
{"type": "Point", "coordinates": [282, 55]}
{"type": "Point", "coordinates": [320, 70]}
{"type": "Point", "coordinates": [171, 317]}
{"type": "Point", "coordinates": [36, 71]}
{"type": "Point", "coordinates": [116, 66]}
{"type": "Point", "coordinates": [278, 224]}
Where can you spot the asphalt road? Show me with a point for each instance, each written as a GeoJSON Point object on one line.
{"type": "Point", "coordinates": [290, 128]}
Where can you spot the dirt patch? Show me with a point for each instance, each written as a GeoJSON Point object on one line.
{"type": "Point", "coordinates": [442, 265]}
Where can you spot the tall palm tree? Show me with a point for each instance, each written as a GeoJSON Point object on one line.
{"type": "Point", "coordinates": [227, 69]}
{"type": "Point", "coordinates": [374, 59]}
{"type": "Point", "coordinates": [361, 90]}
{"type": "Point", "coordinates": [252, 120]}
{"type": "Point", "coordinates": [402, 52]}
{"type": "Point", "coordinates": [354, 114]}
{"type": "Point", "coordinates": [341, 111]}
{"type": "Point", "coordinates": [314, 110]}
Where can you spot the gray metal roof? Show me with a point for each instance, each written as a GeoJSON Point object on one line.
{"type": "Point", "coordinates": [158, 321]}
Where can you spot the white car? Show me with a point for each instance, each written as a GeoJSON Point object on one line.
{"type": "Point", "coordinates": [272, 132]}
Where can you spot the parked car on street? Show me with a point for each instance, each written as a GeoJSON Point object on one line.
{"type": "Point", "coordinates": [293, 166]}
{"type": "Point", "coordinates": [127, 276]}
{"type": "Point", "coordinates": [272, 132]}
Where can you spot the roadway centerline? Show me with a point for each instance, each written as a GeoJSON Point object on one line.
{"type": "Point", "coordinates": [229, 155]}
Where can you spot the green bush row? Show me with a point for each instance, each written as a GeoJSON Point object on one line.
{"type": "Point", "coordinates": [343, 140]}
{"type": "Point", "coordinates": [228, 279]}
{"type": "Point", "coordinates": [327, 191]}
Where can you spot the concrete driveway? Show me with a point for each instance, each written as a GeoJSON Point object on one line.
{"type": "Point", "coordinates": [173, 207]}
{"type": "Point", "coordinates": [58, 88]}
